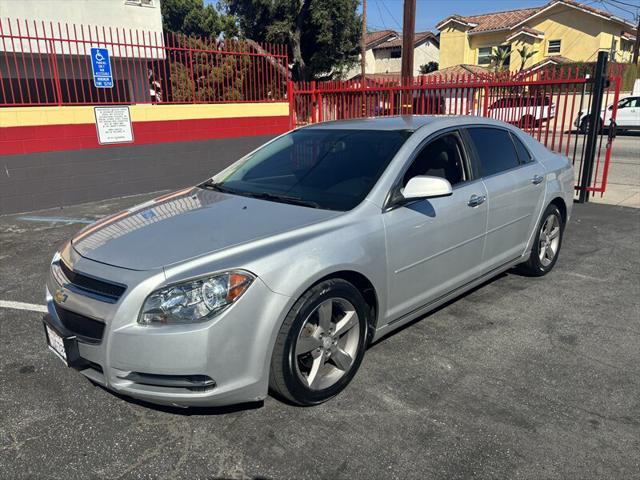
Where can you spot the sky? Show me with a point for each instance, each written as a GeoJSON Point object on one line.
{"type": "Point", "coordinates": [383, 14]}
{"type": "Point", "coordinates": [387, 14]}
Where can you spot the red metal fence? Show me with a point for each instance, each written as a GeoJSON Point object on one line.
{"type": "Point", "coordinates": [46, 63]}
{"type": "Point", "coordinates": [551, 105]}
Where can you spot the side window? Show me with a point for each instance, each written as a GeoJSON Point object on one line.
{"type": "Point", "coordinates": [523, 154]}
{"type": "Point", "coordinates": [495, 149]}
{"type": "Point", "coordinates": [442, 158]}
{"type": "Point", "coordinates": [624, 103]}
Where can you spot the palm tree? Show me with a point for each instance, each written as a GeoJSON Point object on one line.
{"type": "Point", "coordinates": [499, 57]}
{"type": "Point", "coordinates": [525, 54]}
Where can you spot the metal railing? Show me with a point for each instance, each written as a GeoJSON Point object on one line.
{"type": "Point", "coordinates": [47, 63]}
{"type": "Point", "coordinates": [551, 105]}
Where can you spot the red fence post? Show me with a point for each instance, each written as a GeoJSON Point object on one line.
{"type": "Point", "coordinates": [54, 70]}
{"type": "Point", "coordinates": [391, 102]}
{"type": "Point", "coordinates": [292, 105]}
{"type": "Point", "coordinates": [485, 104]}
{"type": "Point", "coordinates": [314, 104]}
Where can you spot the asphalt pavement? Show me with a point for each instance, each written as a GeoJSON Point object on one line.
{"type": "Point", "coordinates": [523, 378]}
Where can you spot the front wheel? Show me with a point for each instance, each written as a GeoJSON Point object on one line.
{"type": "Point", "coordinates": [547, 243]}
{"type": "Point", "coordinates": [321, 343]}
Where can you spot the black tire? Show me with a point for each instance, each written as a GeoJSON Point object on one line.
{"type": "Point", "coordinates": [527, 121]}
{"type": "Point", "coordinates": [284, 380]}
{"type": "Point", "coordinates": [535, 266]}
{"type": "Point", "coordinates": [584, 125]}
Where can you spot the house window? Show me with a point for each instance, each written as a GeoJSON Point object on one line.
{"type": "Point", "coordinates": [484, 55]}
{"type": "Point", "coordinates": [396, 53]}
{"type": "Point", "coordinates": [554, 46]}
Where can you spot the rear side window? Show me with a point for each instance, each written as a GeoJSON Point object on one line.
{"type": "Point", "coordinates": [523, 153]}
{"type": "Point", "coordinates": [495, 149]}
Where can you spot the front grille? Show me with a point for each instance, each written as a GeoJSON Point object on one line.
{"type": "Point", "coordinates": [85, 328]}
{"type": "Point", "coordinates": [89, 284]}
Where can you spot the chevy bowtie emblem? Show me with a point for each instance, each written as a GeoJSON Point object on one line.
{"type": "Point", "coordinates": [60, 296]}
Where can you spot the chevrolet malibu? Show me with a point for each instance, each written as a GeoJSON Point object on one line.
{"type": "Point", "coordinates": [276, 273]}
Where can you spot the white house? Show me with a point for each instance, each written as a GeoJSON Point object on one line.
{"type": "Point", "coordinates": [383, 53]}
{"type": "Point", "coordinates": [52, 39]}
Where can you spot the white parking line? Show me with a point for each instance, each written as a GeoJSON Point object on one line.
{"type": "Point", "coordinates": [23, 306]}
{"type": "Point", "coordinates": [65, 220]}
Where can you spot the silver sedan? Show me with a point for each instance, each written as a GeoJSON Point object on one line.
{"type": "Point", "coordinates": [276, 273]}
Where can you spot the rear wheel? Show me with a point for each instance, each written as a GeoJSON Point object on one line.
{"type": "Point", "coordinates": [320, 344]}
{"type": "Point", "coordinates": [527, 121]}
{"type": "Point", "coordinates": [584, 125]}
{"type": "Point", "coordinates": [547, 243]}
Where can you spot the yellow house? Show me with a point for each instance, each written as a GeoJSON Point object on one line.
{"type": "Point", "coordinates": [561, 31]}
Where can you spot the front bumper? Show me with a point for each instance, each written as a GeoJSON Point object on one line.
{"type": "Point", "coordinates": [219, 362]}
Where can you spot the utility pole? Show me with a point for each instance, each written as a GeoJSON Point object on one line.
{"type": "Point", "coordinates": [363, 42]}
{"type": "Point", "coordinates": [408, 32]}
{"type": "Point", "coordinates": [636, 46]}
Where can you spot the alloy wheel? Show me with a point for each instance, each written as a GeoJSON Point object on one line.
{"type": "Point", "coordinates": [327, 345]}
{"type": "Point", "coordinates": [549, 240]}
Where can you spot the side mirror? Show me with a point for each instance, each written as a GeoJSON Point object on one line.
{"type": "Point", "coordinates": [426, 187]}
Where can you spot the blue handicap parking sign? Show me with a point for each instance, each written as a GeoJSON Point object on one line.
{"type": "Point", "coordinates": [101, 67]}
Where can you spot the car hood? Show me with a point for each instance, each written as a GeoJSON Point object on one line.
{"type": "Point", "coordinates": [187, 224]}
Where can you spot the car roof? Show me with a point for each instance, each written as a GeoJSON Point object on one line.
{"type": "Point", "coordinates": [404, 122]}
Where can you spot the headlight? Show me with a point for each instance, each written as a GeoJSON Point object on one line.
{"type": "Point", "coordinates": [194, 300]}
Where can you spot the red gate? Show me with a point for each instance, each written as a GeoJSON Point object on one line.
{"type": "Point", "coordinates": [551, 105]}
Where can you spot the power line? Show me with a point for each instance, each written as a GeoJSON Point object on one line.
{"type": "Point", "coordinates": [634, 14]}
{"type": "Point", "coordinates": [636, 6]}
{"type": "Point", "coordinates": [380, 13]}
{"type": "Point", "coordinates": [391, 15]}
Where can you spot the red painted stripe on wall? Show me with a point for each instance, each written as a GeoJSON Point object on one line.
{"type": "Point", "coordinates": [46, 138]}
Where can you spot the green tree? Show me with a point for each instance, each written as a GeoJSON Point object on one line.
{"type": "Point", "coordinates": [525, 54]}
{"type": "Point", "coordinates": [499, 57]}
{"type": "Point", "coordinates": [428, 67]}
{"type": "Point", "coordinates": [192, 17]}
{"type": "Point", "coordinates": [322, 36]}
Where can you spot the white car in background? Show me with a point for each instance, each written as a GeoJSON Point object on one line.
{"type": "Point", "coordinates": [523, 111]}
{"type": "Point", "coordinates": [627, 117]}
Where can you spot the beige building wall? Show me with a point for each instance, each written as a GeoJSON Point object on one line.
{"type": "Point", "coordinates": [582, 36]}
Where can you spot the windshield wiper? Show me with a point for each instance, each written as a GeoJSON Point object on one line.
{"type": "Point", "coordinates": [280, 198]}
{"type": "Point", "coordinates": [209, 184]}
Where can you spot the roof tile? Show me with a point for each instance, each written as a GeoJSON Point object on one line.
{"type": "Point", "coordinates": [509, 19]}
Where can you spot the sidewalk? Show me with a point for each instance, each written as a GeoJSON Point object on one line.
{"type": "Point", "coordinates": [623, 183]}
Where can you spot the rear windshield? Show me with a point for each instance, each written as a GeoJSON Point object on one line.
{"type": "Point", "coordinates": [322, 168]}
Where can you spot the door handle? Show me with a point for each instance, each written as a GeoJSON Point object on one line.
{"type": "Point", "coordinates": [476, 200]}
{"type": "Point", "coordinates": [537, 179]}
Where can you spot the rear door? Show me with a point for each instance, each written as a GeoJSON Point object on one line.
{"type": "Point", "coordinates": [515, 184]}
{"type": "Point", "coordinates": [628, 114]}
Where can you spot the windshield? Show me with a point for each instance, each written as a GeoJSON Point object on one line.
{"type": "Point", "coordinates": [321, 168]}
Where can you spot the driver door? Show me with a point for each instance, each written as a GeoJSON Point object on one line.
{"type": "Point", "coordinates": [628, 114]}
{"type": "Point", "coordinates": [435, 245]}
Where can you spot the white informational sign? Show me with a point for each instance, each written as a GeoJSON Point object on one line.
{"type": "Point", "coordinates": [113, 125]}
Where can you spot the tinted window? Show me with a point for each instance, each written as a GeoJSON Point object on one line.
{"type": "Point", "coordinates": [442, 158]}
{"type": "Point", "coordinates": [495, 150]}
{"type": "Point", "coordinates": [523, 153]}
{"type": "Point", "coordinates": [331, 169]}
